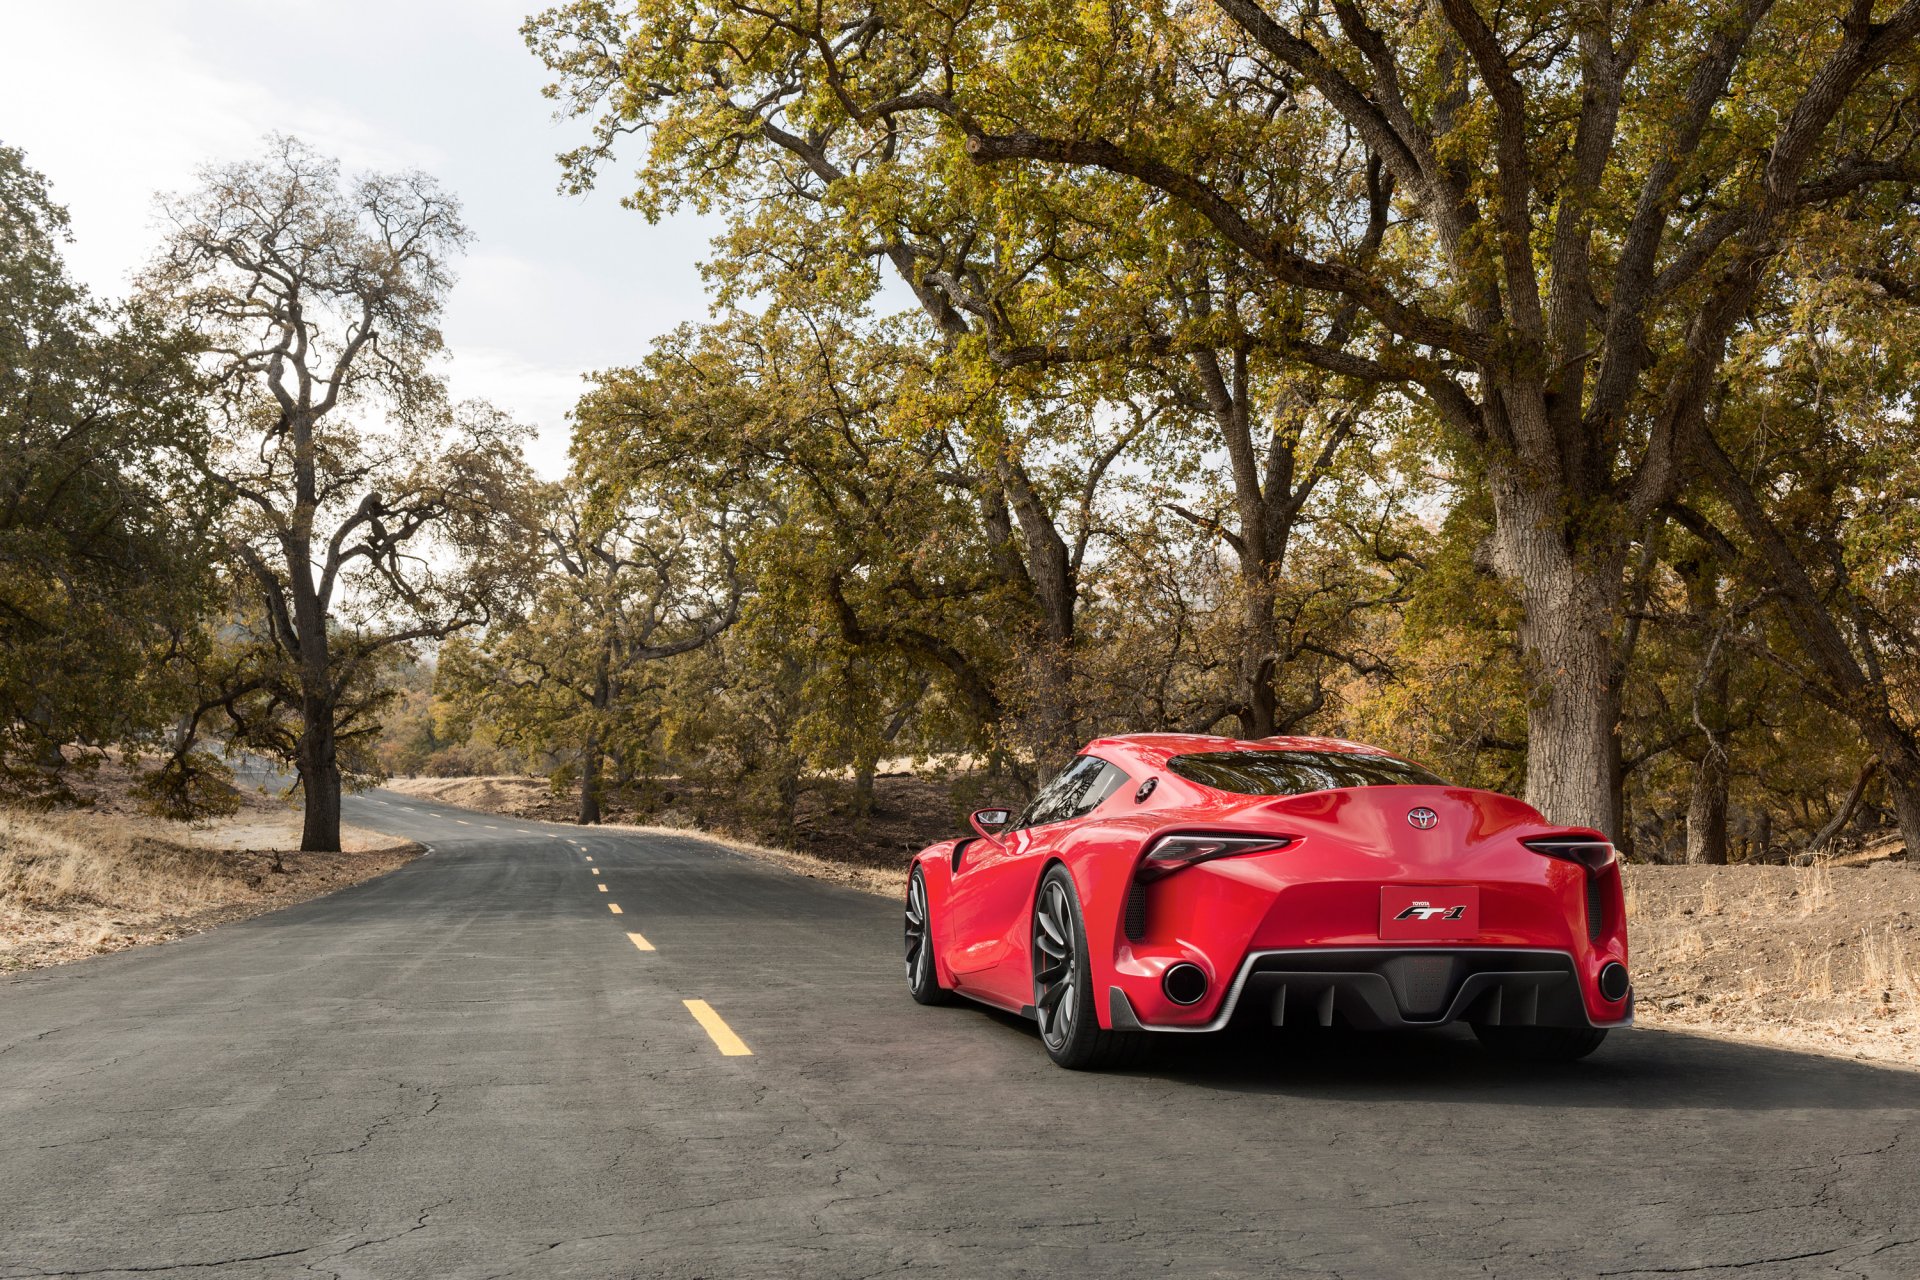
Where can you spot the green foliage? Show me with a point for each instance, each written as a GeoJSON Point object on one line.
{"type": "Point", "coordinates": [104, 559]}
{"type": "Point", "coordinates": [1537, 255]}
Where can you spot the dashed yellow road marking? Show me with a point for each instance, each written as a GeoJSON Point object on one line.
{"type": "Point", "coordinates": [614, 907]}
{"type": "Point", "coordinates": [639, 942]}
{"type": "Point", "coordinates": [589, 857]}
{"type": "Point", "coordinates": [602, 888]}
{"type": "Point", "coordinates": [731, 1045]}
{"type": "Point", "coordinates": [596, 871]}
{"type": "Point", "coordinates": [463, 822]}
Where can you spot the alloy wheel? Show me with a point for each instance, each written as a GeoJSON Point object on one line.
{"type": "Point", "coordinates": [1055, 967]}
{"type": "Point", "coordinates": [917, 954]}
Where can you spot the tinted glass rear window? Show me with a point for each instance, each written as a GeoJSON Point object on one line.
{"type": "Point", "coordinates": [1292, 773]}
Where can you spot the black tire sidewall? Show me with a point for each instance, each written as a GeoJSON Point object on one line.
{"type": "Point", "coordinates": [923, 979]}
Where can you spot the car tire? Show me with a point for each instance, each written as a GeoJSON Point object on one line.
{"type": "Point", "coordinates": [1539, 1044]}
{"type": "Point", "coordinates": [1063, 997]}
{"type": "Point", "coordinates": [923, 976]}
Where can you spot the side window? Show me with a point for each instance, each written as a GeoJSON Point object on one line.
{"type": "Point", "coordinates": [1077, 791]}
{"type": "Point", "coordinates": [1043, 808]}
{"type": "Point", "coordinates": [1109, 781]}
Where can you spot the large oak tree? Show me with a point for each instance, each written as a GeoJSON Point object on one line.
{"type": "Point", "coordinates": [367, 511]}
{"type": "Point", "coordinates": [1588, 199]}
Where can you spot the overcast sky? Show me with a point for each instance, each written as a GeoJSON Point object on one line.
{"type": "Point", "coordinates": [115, 100]}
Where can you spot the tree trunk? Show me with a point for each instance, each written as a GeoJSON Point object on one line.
{"type": "Point", "coordinates": [590, 780]}
{"type": "Point", "coordinates": [1259, 644]}
{"type": "Point", "coordinates": [1056, 588]}
{"type": "Point", "coordinates": [1568, 604]}
{"type": "Point", "coordinates": [1707, 805]}
{"type": "Point", "coordinates": [1707, 810]}
{"type": "Point", "coordinates": [1265, 505]}
{"type": "Point", "coordinates": [47, 754]}
{"type": "Point", "coordinates": [319, 778]}
{"type": "Point", "coordinates": [593, 752]}
{"type": "Point", "coordinates": [1901, 763]}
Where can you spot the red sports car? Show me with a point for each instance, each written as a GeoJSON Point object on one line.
{"type": "Point", "coordinates": [1173, 882]}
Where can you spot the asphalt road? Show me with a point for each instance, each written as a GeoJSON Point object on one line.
{"type": "Point", "coordinates": [467, 1069]}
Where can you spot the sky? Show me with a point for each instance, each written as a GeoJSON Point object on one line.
{"type": "Point", "coordinates": [117, 100]}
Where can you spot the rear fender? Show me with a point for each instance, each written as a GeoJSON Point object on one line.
{"type": "Point", "coordinates": [1100, 863]}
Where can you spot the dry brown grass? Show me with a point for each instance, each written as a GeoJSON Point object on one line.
{"type": "Point", "coordinates": [82, 882]}
{"type": "Point", "coordinates": [1817, 957]}
{"type": "Point", "coordinates": [67, 859]}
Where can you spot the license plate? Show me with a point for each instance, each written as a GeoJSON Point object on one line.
{"type": "Point", "coordinates": [1428, 912]}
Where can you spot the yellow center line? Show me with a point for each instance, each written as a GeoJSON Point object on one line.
{"type": "Point", "coordinates": [614, 907]}
{"type": "Point", "coordinates": [463, 822]}
{"type": "Point", "coordinates": [731, 1045]}
{"type": "Point", "coordinates": [596, 871]}
{"type": "Point", "coordinates": [589, 857]}
{"type": "Point", "coordinates": [602, 888]}
{"type": "Point", "coordinates": [639, 942]}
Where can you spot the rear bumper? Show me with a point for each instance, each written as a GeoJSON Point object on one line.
{"type": "Point", "coordinates": [1378, 988]}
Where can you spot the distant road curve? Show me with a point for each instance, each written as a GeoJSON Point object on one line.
{"type": "Point", "coordinates": [477, 1067]}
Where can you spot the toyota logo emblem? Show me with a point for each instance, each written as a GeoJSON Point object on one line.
{"type": "Point", "coordinates": [1422, 818]}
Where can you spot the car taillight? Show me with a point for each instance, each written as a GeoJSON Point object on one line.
{"type": "Point", "coordinates": [1170, 853]}
{"type": "Point", "coordinates": [1594, 855]}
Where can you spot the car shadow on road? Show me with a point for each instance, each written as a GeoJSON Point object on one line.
{"type": "Point", "coordinates": [1636, 1067]}
{"type": "Point", "coordinates": [1650, 1068]}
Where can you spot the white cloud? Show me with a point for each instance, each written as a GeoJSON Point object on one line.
{"type": "Point", "coordinates": [116, 100]}
{"type": "Point", "coordinates": [538, 395]}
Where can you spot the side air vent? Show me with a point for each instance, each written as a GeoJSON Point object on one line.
{"type": "Point", "coordinates": [1136, 921]}
{"type": "Point", "coordinates": [1596, 908]}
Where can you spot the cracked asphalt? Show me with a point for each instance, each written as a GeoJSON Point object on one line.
{"type": "Point", "coordinates": [465, 1069]}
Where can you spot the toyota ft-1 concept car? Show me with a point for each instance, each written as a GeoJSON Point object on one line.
{"type": "Point", "coordinates": [1174, 883]}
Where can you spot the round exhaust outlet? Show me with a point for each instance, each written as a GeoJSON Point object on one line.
{"type": "Point", "coordinates": [1613, 981]}
{"type": "Point", "coordinates": [1185, 983]}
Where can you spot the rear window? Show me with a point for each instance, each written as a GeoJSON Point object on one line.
{"type": "Point", "coordinates": [1292, 773]}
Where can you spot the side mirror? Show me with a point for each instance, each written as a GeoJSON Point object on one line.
{"type": "Point", "coordinates": [990, 822]}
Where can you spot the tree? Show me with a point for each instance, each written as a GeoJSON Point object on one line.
{"type": "Point", "coordinates": [870, 523]}
{"type": "Point", "coordinates": [366, 510]}
{"type": "Point", "coordinates": [104, 576]}
{"type": "Point", "coordinates": [624, 579]}
{"type": "Point", "coordinates": [1807, 461]}
{"type": "Point", "coordinates": [1587, 202]}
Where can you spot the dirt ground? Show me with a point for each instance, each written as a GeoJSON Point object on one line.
{"type": "Point", "coordinates": [1822, 958]}
{"type": "Point", "coordinates": [104, 877]}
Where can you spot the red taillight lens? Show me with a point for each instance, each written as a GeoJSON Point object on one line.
{"type": "Point", "coordinates": [1170, 853]}
{"type": "Point", "coordinates": [1594, 855]}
